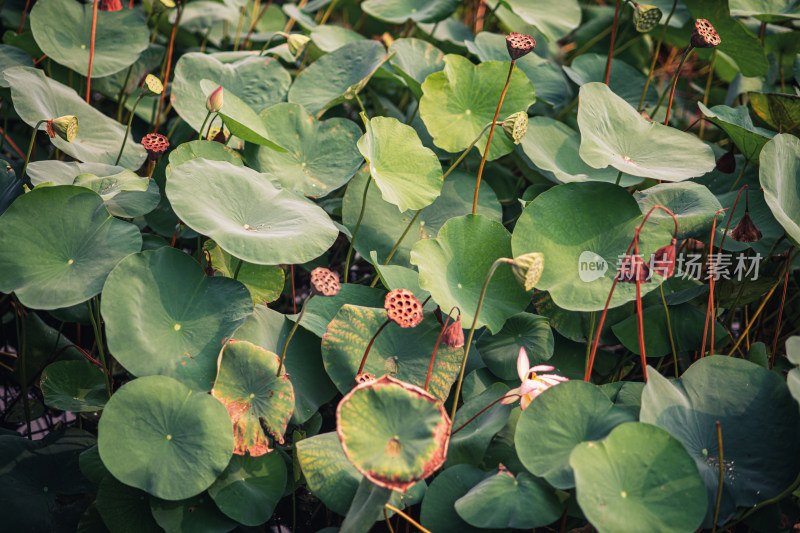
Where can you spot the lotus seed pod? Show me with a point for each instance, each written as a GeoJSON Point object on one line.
{"type": "Point", "coordinates": [65, 127]}
{"type": "Point", "coordinates": [519, 44]}
{"type": "Point", "coordinates": [727, 163]}
{"type": "Point", "coordinates": [403, 308]}
{"type": "Point", "coordinates": [746, 230]}
{"type": "Point", "coordinates": [645, 17]}
{"type": "Point", "coordinates": [633, 269]}
{"type": "Point", "coordinates": [663, 261]}
{"type": "Point", "coordinates": [110, 5]}
{"type": "Point", "coordinates": [152, 86]}
{"type": "Point", "coordinates": [155, 144]}
{"type": "Point", "coordinates": [704, 35]}
{"type": "Point", "coordinates": [214, 101]}
{"type": "Point", "coordinates": [297, 42]}
{"type": "Point", "coordinates": [159, 6]}
{"type": "Point", "coordinates": [364, 377]}
{"type": "Point", "coordinates": [527, 268]}
{"type": "Point", "coordinates": [324, 282]}
{"type": "Point", "coordinates": [454, 335]}
{"type": "Point", "coordinates": [516, 126]}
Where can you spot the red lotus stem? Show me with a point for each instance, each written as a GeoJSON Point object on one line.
{"type": "Point", "coordinates": [710, 306]}
{"type": "Point", "coordinates": [639, 319]}
{"type": "Point", "coordinates": [169, 63]}
{"type": "Point", "coordinates": [436, 346]}
{"type": "Point", "coordinates": [130, 5]}
{"type": "Point", "coordinates": [369, 346]}
{"type": "Point", "coordinates": [91, 53]}
{"type": "Point", "coordinates": [780, 310]}
{"type": "Point", "coordinates": [675, 83]}
{"type": "Point", "coordinates": [611, 48]}
{"type": "Point", "coordinates": [479, 413]}
{"type": "Point", "coordinates": [24, 16]}
{"type": "Point", "coordinates": [11, 143]}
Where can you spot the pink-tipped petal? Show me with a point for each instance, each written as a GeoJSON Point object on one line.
{"type": "Point", "coordinates": [553, 379]}
{"type": "Point", "coordinates": [543, 368]}
{"type": "Point", "coordinates": [511, 396]}
{"type": "Point", "coordinates": [523, 364]}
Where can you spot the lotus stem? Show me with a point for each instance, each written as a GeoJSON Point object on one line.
{"type": "Point", "coordinates": [404, 515]}
{"type": "Point", "coordinates": [238, 268]}
{"type": "Point", "coordinates": [128, 130]}
{"type": "Point", "coordinates": [669, 331]}
{"type": "Point", "coordinates": [294, 298]}
{"type": "Point", "coordinates": [355, 231]}
{"type": "Point", "coordinates": [203, 127]}
{"type": "Point", "coordinates": [91, 52]}
{"type": "Point", "coordinates": [25, 15]}
{"type": "Point", "coordinates": [710, 305]}
{"type": "Point", "coordinates": [655, 55]}
{"type": "Point", "coordinates": [168, 64]}
{"type": "Point", "coordinates": [436, 346]}
{"type": "Point", "coordinates": [780, 312]}
{"type": "Point", "coordinates": [327, 13]}
{"type": "Point", "coordinates": [239, 28]}
{"type": "Point", "coordinates": [721, 479]}
{"type": "Point", "coordinates": [467, 345]}
{"type": "Point", "coordinates": [291, 333]}
{"type": "Point", "coordinates": [708, 89]}
{"type": "Point", "coordinates": [611, 48]}
{"type": "Point", "coordinates": [479, 413]}
{"type": "Point", "coordinates": [19, 315]}
{"type": "Point", "coordinates": [397, 245]}
{"type": "Point", "coordinates": [639, 317]}
{"type": "Point", "coordinates": [369, 346]}
{"type": "Point", "coordinates": [739, 177]}
{"type": "Point", "coordinates": [123, 94]}
{"type": "Point", "coordinates": [675, 82]}
{"type": "Point", "coordinates": [30, 150]}
{"type": "Point", "coordinates": [491, 133]}
{"type": "Point", "coordinates": [98, 335]}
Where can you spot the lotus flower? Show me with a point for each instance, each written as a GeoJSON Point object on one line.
{"type": "Point", "coordinates": [533, 383]}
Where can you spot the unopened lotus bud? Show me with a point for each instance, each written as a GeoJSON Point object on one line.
{"type": "Point", "coordinates": [516, 126]}
{"type": "Point", "coordinates": [633, 269]}
{"type": "Point", "coordinates": [746, 230]}
{"type": "Point", "coordinates": [324, 282]}
{"type": "Point", "coordinates": [453, 336]}
{"type": "Point", "coordinates": [403, 308]}
{"type": "Point", "coordinates": [214, 101]}
{"type": "Point", "coordinates": [519, 44]}
{"type": "Point", "coordinates": [65, 127]}
{"type": "Point", "coordinates": [704, 35]}
{"type": "Point", "coordinates": [527, 268]}
{"type": "Point", "coordinates": [155, 144]}
{"type": "Point", "coordinates": [297, 42]}
{"type": "Point", "coordinates": [645, 17]}
{"type": "Point", "coordinates": [663, 261]}
{"type": "Point", "coordinates": [727, 163]}
{"type": "Point", "coordinates": [160, 6]}
{"type": "Point", "coordinates": [110, 5]}
{"type": "Point", "coordinates": [152, 86]}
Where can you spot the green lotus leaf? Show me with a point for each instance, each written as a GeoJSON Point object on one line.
{"type": "Point", "coordinates": [75, 386]}
{"type": "Point", "coordinates": [453, 268]}
{"type": "Point", "coordinates": [253, 395]}
{"type": "Point", "coordinates": [438, 511]}
{"type": "Point", "coordinates": [312, 387]}
{"type": "Point", "coordinates": [250, 487]}
{"type": "Point", "coordinates": [322, 155]}
{"type": "Point", "coordinates": [624, 80]}
{"type": "Point", "coordinates": [337, 76]}
{"type": "Point", "coordinates": [227, 202]}
{"type": "Point", "coordinates": [503, 500]}
{"type": "Point", "coordinates": [553, 146]}
{"type": "Point", "coordinates": [638, 478]}
{"type": "Point", "coordinates": [66, 260]}
{"type": "Point", "coordinates": [211, 150]}
{"type": "Point", "coordinates": [779, 175]}
{"type": "Point", "coordinates": [197, 514]}
{"type": "Point", "coordinates": [265, 282]}
{"type": "Point", "coordinates": [393, 432]}
{"type": "Point", "coordinates": [414, 60]}
{"type": "Point", "coordinates": [559, 419]}
{"type": "Point", "coordinates": [399, 11]}
{"type": "Point", "coordinates": [693, 204]}
{"type": "Point", "coordinates": [780, 111]}
{"type": "Point", "coordinates": [524, 330]}
{"type": "Point", "coordinates": [92, 466]}
{"type": "Point", "coordinates": [469, 444]}
{"type": "Point", "coordinates": [458, 102]}
{"type": "Point", "coordinates": [330, 38]}
{"type": "Point", "coordinates": [397, 277]}
{"type": "Point", "coordinates": [759, 421]}
{"type": "Point", "coordinates": [259, 82]}
{"type": "Point", "coordinates": [184, 317]}
{"type": "Point", "coordinates": [369, 500]}
{"type": "Point", "coordinates": [766, 10]}
{"type": "Point", "coordinates": [749, 139]}
{"type": "Point", "coordinates": [320, 311]}
{"type": "Point", "coordinates": [64, 173]}
{"type": "Point", "coordinates": [404, 353]}
{"type": "Point", "coordinates": [408, 174]}
{"type": "Point", "coordinates": [63, 30]}
{"type": "Point", "coordinates": [149, 60]}
{"type": "Point", "coordinates": [613, 133]}
{"type": "Point", "coordinates": [793, 354]}
{"type": "Point", "coordinates": [554, 20]}
{"type": "Point", "coordinates": [581, 257]}
{"type": "Point", "coordinates": [42, 344]}
{"type": "Point", "coordinates": [125, 194]}
{"type": "Point", "coordinates": [383, 224]}
{"type": "Point", "coordinates": [328, 473]}
{"type": "Point", "coordinates": [124, 508]}
{"type": "Point", "coordinates": [37, 97]}
{"type": "Point", "coordinates": [158, 435]}
{"type": "Point", "coordinates": [11, 56]}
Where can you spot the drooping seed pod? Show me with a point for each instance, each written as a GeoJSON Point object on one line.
{"type": "Point", "coordinates": [663, 261]}
{"type": "Point", "coordinates": [155, 144]}
{"type": "Point", "coordinates": [364, 377]}
{"type": "Point", "coordinates": [453, 336]}
{"type": "Point", "coordinates": [519, 45]}
{"type": "Point", "coordinates": [325, 282]}
{"type": "Point", "coordinates": [527, 268]}
{"type": "Point", "coordinates": [633, 269]}
{"type": "Point", "coordinates": [704, 35]}
{"type": "Point", "coordinates": [110, 5]}
{"type": "Point", "coordinates": [403, 308]}
{"type": "Point", "coordinates": [515, 126]}
{"type": "Point", "coordinates": [214, 100]}
{"type": "Point", "coordinates": [645, 17]}
{"type": "Point", "coordinates": [727, 163]}
{"type": "Point", "coordinates": [65, 127]}
{"type": "Point", "coordinates": [746, 230]}
{"type": "Point", "coordinates": [297, 42]}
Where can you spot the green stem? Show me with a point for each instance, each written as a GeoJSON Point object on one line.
{"type": "Point", "coordinates": [721, 479]}
{"type": "Point", "coordinates": [128, 130]}
{"type": "Point", "coordinates": [23, 364]}
{"type": "Point", "coordinates": [467, 345]}
{"type": "Point", "coordinates": [619, 178]}
{"type": "Point", "coordinates": [397, 245]}
{"type": "Point", "coordinates": [655, 55]}
{"type": "Point", "coordinates": [203, 127]}
{"type": "Point", "coordinates": [30, 149]}
{"type": "Point", "coordinates": [238, 268]}
{"type": "Point", "coordinates": [291, 333]}
{"type": "Point", "coordinates": [122, 94]}
{"type": "Point", "coordinates": [739, 177]}
{"type": "Point", "coordinates": [669, 330]}
{"type": "Point", "coordinates": [360, 104]}
{"type": "Point", "coordinates": [355, 231]}
{"type": "Point", "coordinates": [591, 42]}
{"type": "Point", "coordinates": [98, 335]}
{"type": "Point", "coordinates": [239, 29]}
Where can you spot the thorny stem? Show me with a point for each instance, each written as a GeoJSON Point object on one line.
{"type": "Point", "coordinates": [436, 346]}
{"type": "Point", "coordinates": [369, 346]}
{"type": "Point", "coordinates": [404, 515]}
{"type": "Point", "coordinates": [491, 133]}
{"type": "Point", "coordinates": [479, 413]}
{"type": "Point", "coordinates": [91, 52]}
{"type": "Point", "coordinates": [291, 334]}
{"type": "Point", "coordinates": [721, 479]}
{"type": "Point", "coordinates": [655, 55]}
{"type": "Point", "coordinates": [675, 82]}
{"type": "Point", "coordinates": [712, 279]}
{"type": "Point", "coordinates": [128, 129]}
{"type": "Point", "coordinates": [355, 231]}
{"type": "Point", "coordinates": [30, 150]}
{"type": "Point", "coordinates": [611, 48]}
{"type": "Point", "coordinates": [780, 311]}
{"type": "Point", "coordinates": [489, 275]}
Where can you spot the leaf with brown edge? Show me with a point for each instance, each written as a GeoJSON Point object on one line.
{"type": "Point", "coordinates": [393, 432]}
{"type": "Point", "coordinates": [252, 394]}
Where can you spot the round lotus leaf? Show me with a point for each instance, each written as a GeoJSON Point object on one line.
{"type": "Point", "coordinates": [320, 311]}
{"type": "Point", "coordinates": [183, 317]}
{"type": "Point", "coordinates": [503, 500]}
{"type": "Point", "coordinates": [37, 97]}
{"type": "Point", "coordinates": [337, 76]}
{"type": "Point", "coordinates": [265, 282]}
{"type": "Point", "coordinates": [624, 80]}
{"type": "Point", "coordinates": [404, 353]}
{"type": "Point", "coordinates": [581, 257]}
{"type": "Point", "coordinates": [259, 82]}
{"type": "Point", "coordinates": [250, 488]}
{"type": "Point", "coordinates": [399, 11]}
{"type": "Point", "coordinates": [780, 178]}
{"type": "Point", "coordinates": [393, 432]}
{"type": "Point", "coordinates": [693, 204]}
{"type": "Point", "coordinates": [125, 194]}
{"type": "Point", "coordinates": [383, 224]}
{"type": "Point", "coordinates": [76, 386]}
{"type": "Point", "coordinates": [248, 387]}
{"type": "Point", "coordinates": [330, 38]}
{"type": "Point", "coordinates": [780, 111]}
{"type": "Point", "coordinates": [158, 435]}
{"type": "Point", "coordinates": [638, 479]}
{"type": "Point", "coordinates": [453, 268]}
{"type": "Point", "coordinates": [559, 419]}
{"type": "Point", "coordinates": [747, 137]}
{"type": "Point", "coordinates": [469, 444]}
{"type": "Point", "coordinates": [64, 173]}
{"type": "Point", "coordinates": [408, 174]}
{"type": "Point", "coordinates": [63, 30]}
{"type": "Point", "coordinates": [553, 146]}
{"type": "Point", "coordinates": [11, 56]}
{"type": "Point", "coordinates": [759, 421]}
{"type": "Point", "coordinates": [211, 150]}
{"type": "Point", "coordinates": [458, 102]}
{"type": "Point", "coordinates": [554, 20]}
{"type": "Point", "coordinates": [227, 203]}
{"type": "Point", "coordinates": [614, 133]}
{"type": "Point", "coordinates": [438, 508]}
{"type": "Point", "coordinates": [524, 330]}
{"type": "Point", "coordinates": [124, 509]}
{"type": "Point", "coordinates": [329, 475]}
{"type": "Point", "coordinates": [198, 514]}
{"type": "Point", "coordinates": [322, 155]}
{"type": "Point", "coordinates": [414, 60]}
{"type": "Point", "coordinates": [64, 258]}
